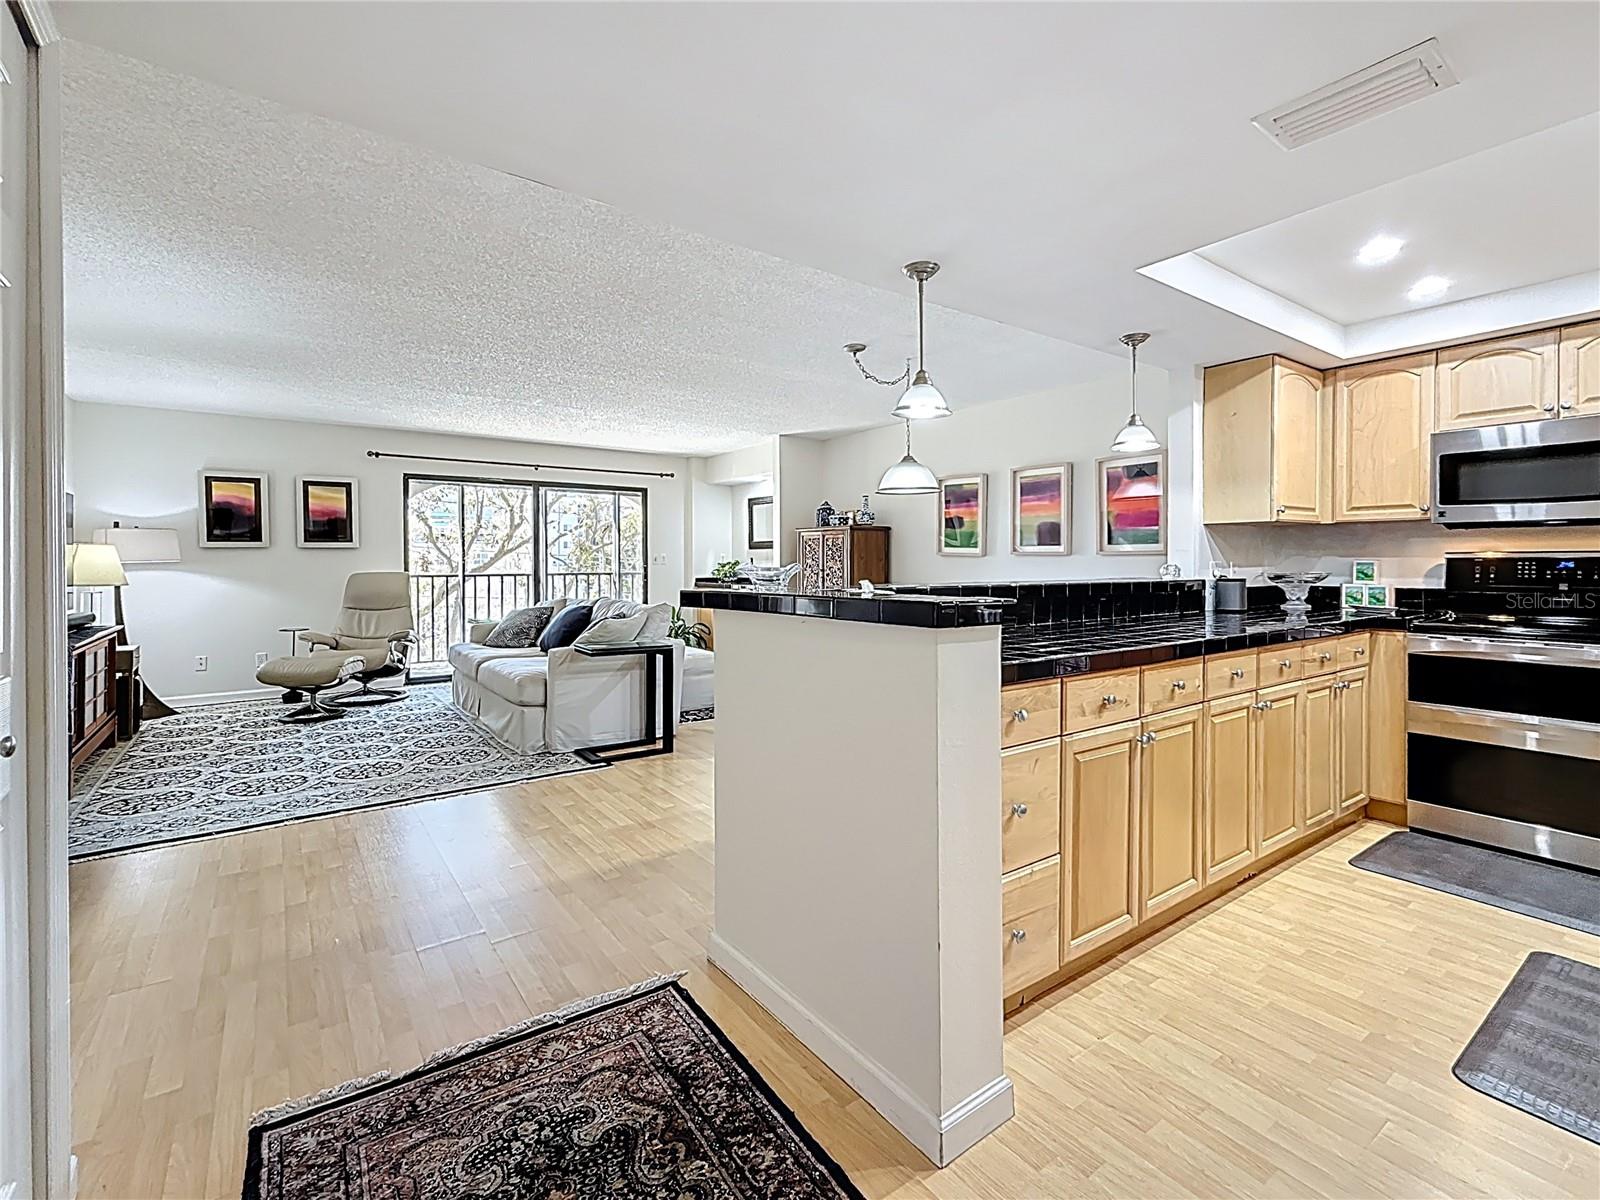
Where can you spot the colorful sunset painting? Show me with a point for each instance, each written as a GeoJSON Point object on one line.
{"type": "Point", "coordinates": [1133, 504]}
{"type": "Point", "coordinates": [327, 513]}
{"type": "Point", "coordinates": [233, 509]}
{"type": "Point", "coordinates": [1041, 506]}
{"type": "Point", "coordinates": [962, 509]}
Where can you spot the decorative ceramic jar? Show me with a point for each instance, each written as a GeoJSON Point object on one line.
{"type": "Point", "coordinates": [865, 515]}
{"type": "Point", "coordinates": [824, 515]}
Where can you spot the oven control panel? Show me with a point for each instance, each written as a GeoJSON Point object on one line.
{"type": "Point", "coordinates": [1522, 572]}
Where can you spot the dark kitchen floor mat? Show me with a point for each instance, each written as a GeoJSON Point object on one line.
{"type": "Point", "coordinates": [1539, 1047]}
{"type": "Point", "coordinates": [1563, 895]}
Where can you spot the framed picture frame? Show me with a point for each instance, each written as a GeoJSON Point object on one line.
{"type": "Point", "coordinates": [758, 522]}
{"type": "Point", "coordinates": [1355, 595]}
{"type": "Point", "coordinates": [963, 515]}
{"type": "Point", "coordinates": [1131, 503]}
{"type": "Point", "coordinates": [234, 510]}
{"type": "Point", "coordinates": [1377, 595]}
{"type": "Point", "coordinates": [1363, 570]}
{"type": "Point", "coordinates": [328, 512]}
{"type": "Point", "coordinates": [1041, 509]}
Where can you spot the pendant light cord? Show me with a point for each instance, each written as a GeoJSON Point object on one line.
{"type": "Point", "coordinates": [1133, 378]}
{"type": "Point", "coordinates": [920, 283]}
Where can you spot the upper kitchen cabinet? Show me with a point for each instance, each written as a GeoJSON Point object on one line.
{"type": "Point", "coordinates": [1496, 383]}
{"type": "Point", "coordinates": [1580, 370]}
{"type": "Point", "coordinates": [1382, 416]}
{"type": "Point", "coordinates": [1266, 431]}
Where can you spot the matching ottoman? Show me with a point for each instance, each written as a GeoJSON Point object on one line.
{"type": "Point", "coordinates": [311, 674]}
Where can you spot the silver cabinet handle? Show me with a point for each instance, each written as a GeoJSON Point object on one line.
{"type": "Point", "coordinates": [1549, 406]}
{"type": "Point", "coordinates": [1283, 508]}
{"type": "Point", "coordinates": [8, 746]}
{"type": "Point", "coordinates": [1359, 652]}
{"type": "Point", "coordinates": [1262, 705]}
{"type": "Point", "coordinates": [1179, 685]}
{"type": "Point", "coordinates": [1109, 701]}
{"type": "Point", "coordinates": [1019, 810]}
{"type": "Point", "coordinates": [1422, 508]}
{"type": "Point", "coordinates": [1324, 656]}
{"type": "Point", "coordinates": [1019, 935]}
{"type": "Point", "coordinates": [1019, 714]}
{"type": "Point", "coordinates": [1236, 673]}
{"type": "Point", "coordinates": [1286, 663]}
{"type": "Point", "coordinates": [1566, 406]}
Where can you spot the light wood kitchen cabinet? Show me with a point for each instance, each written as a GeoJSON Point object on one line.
{"type": "Point", "coordinates": [1265, 443]}
{"type": "Point", "coordinates": [1279, 664]}
{"type": "Point", "coordinates": [1030, 925]}
{"type": "Point", "coordinates": [1280, 767]}
{"type": "Point", "coordinates": [1030, 804]}
{"type": "Point", "coordinates": [1351, 721]}
{"type": "Point", "coordinates": [1497, 382]}
{"type": "Point", "coordinates": [1385, 694]}
{"type": "Point", "coordinates": [1230, 674]}
{"type": "Point", "coordinates": [1030, 712]}
{"type": "Point", "coordinates": [1090, 701]}
{"type": "Point", "coordinates": [1229, 804]}
{"type": "Point", "coordinates": [1171, 799]}
{"type": "Point", "coordinates": [1319, 656]}
{"type": "Point", "coordinates": [1382, 419]}
{"type": "Point", "coordinates": [1173, 685]}
{"type": "Point", "coordinates": [1099, 837]}
{"type": "Point", "coordinates": [1579, 370]}
{"type": "Point", "coordinates": [1321, 753]}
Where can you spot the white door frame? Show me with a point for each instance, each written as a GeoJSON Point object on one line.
{"type": "Point", "coordinates": [39, 663]}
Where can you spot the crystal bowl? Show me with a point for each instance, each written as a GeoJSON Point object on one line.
{"type": "Point", "coordinates": [1296, 587]}
{"type": "Point", "coordinates": [769, 578]}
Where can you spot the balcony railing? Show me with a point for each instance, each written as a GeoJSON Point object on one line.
{"type": "Point", "coordinates": [443, 604]}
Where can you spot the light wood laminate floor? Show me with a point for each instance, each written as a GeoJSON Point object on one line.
{"type": "Point", "coordinates": [1291, 1040]}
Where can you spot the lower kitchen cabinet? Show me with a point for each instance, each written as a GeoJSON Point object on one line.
{"type": "Point", "coordinates": [1030, 803]}
{"type": "Point", "coordinates": [1280, 767]}
{"type": "Point", "coordinates": [1229, 839]}
{"type": "Point", "coordinates": [1099, 836]}
{"type": "Point", "coordinates": [1030, 931]}
{"type": "Point", "coordinates": [1353, 720]}
{"type": "Point", "coordinates": [1171, 790]}
{"type": "Point", "coordinates": [1321, 754]}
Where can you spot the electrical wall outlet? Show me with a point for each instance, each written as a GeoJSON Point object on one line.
{"type": "Point", "coordinates": [261, 659]}
{"type": "Point", "coordinates": [202, 662]}
{"type": "Point", "coordinates": [658, 560]}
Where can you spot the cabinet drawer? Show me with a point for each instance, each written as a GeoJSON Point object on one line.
{"type": "Point", "coordinates": [1096, 700]}
{"type": "Point", "coordinates": [1278, 664]}
{"type": "Point", "coordinates": [1319, 656]}
{"type": "Point", "coordinates": [1030, 932]}
{"type": "Point", "coordinates": [1230, 674]}
{"type": "Point", "coordinates": [1030, 712]}
{"type": "Point", "coordinates": [1173, 685]}
{"type": "Point", "coordinates": [1030, 804]}
{"type": "Point", "coordinates": [1354, 650]}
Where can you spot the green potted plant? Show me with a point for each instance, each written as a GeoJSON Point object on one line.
{"type": "Point", "coordinates": [690, 633]}
{"type": "Point", "coordinates": [726, 570]}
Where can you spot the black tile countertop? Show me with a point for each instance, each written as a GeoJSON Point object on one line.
{"type": "Point", "coordinates": [1043, 651]}
{"type": "Point", "coordinates": [926, 612]}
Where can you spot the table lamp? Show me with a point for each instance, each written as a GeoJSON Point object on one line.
{"type": "Point", "coordinates": [138, 546]}
{"type": "Point", "coordinates": [89, 565]}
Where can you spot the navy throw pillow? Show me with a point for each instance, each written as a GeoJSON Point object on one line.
{"type": "Point", "coordinates": [564, 629]}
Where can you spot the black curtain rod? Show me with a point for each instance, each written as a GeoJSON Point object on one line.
{"type": "Point", "coordinates": [495, 462]}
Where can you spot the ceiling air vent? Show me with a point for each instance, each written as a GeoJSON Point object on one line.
{"type": "Point", "coordinates": [1370, 92]}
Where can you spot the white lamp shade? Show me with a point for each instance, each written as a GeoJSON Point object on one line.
{"type": "Point", "coordinates": [1135, 438]}
{"type": "Point", "coordinates": [907, 477]}
{"type": "Point", "coordinates": [91, 565]}
{"type": "Point", "coordinates": [136, 545]}
{"type": "Point", "coordinates": [921, 401]}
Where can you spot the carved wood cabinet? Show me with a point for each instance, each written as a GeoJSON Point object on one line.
{"type": "Point", "coordinates": [840, 556]}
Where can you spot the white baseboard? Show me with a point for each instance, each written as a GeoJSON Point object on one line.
{"type": "Point", "coordinates": [940, 1136]}
{"type": "Point", "coordinates": [198, 699]}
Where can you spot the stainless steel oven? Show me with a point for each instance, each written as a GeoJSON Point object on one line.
{"type": "Point", "coordinates": [1503, 707]}
{"type": "Point", "coordinates": [1534, 473]}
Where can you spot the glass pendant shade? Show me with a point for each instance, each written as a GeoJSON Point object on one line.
{"type": "Point", "coordinates": [921, 401]}
{"type": "Point", "coordinates": [1135, 437]}
{"type": "Point", "coordinates": [907, 477]}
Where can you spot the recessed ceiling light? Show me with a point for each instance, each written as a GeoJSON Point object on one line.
{"type": "Point", "coordinates": [1429, 287]}
{"type": "Point", "coordinates": [1380, 249]}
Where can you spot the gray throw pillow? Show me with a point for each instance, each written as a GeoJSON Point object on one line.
{"type": "Point", "coordinates": [520, 628]}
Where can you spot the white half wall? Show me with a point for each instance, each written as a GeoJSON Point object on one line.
{"type": "Point", "coordinates": [140, 466]}
{"type": "Point", "coordinates": [1067, 424]}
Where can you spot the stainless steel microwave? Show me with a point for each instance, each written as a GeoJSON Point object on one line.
{"type": "Point", "coordinates": [1534, 473]}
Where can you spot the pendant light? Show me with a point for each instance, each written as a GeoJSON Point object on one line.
{"type": "Point", "coordinates": [1134, 437]}
{"type": "Point", "coordinates": [907, 477]}
{"type": "Point", "coordinates": [921, 401]}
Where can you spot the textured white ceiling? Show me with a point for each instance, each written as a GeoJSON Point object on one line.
{"type": "Point", "coordinates": [1043, 152]}
{"type": "Point", "coordinates": [224, 253]}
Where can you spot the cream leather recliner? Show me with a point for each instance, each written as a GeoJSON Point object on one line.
{"type": "Point", "coordinates": [375, 622]}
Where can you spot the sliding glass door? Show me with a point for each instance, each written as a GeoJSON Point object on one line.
{"type": "Point", "coordinates": [478, 548]}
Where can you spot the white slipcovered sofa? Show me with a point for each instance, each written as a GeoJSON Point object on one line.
{"type": "Point", "coordinates": [531, 701]}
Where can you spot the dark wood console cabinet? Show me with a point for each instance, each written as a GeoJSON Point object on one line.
{"type": "Point", "coordinates": [836, 557]}
{"type": "Point", "coordinates": [91, 684]}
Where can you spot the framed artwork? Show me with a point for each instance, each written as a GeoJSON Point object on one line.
{"type": "Point", "coordinates": [233, 509]}
{"type": "Point", "coordinates": [1364, 570]}
{"type": "Point", "coordinates": [1041, 509]}
{"type": "Point", "coordinates": [329, 519]}
{"type": "Point", "coordinates": [1377, 595]}
{"type": "Point", "coordinates": [1131, 495]}
{"type": "Point", "coordinates": [1355, 595]}
{"type": "Point", "coordinates": [963, 511]}
{"type": "Point", "coordinates": [758, 514]}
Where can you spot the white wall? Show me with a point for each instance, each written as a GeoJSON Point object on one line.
{"type": "Point", "coordinates": [1067, 424]}
{"type": "Point", "coordinates": [798, 486]}
{"type": "Point", "coordinates": [140, 466]}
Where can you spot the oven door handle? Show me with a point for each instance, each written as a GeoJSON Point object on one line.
{"type": "Point", "coordinates": [1516, 731]}
{"type": "Point", "coordinates": [1552, 653]}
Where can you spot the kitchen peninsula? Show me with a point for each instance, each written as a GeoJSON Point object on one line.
{"type": "Point", "coordinates": [1142, 757]}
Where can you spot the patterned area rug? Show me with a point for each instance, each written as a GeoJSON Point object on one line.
{"type": "Point", "coordinates": [229, 767]}
{"type": "Point", "coordinates": [636, 1095]}
{"type": "Point", "coordinates": [698, 714]}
